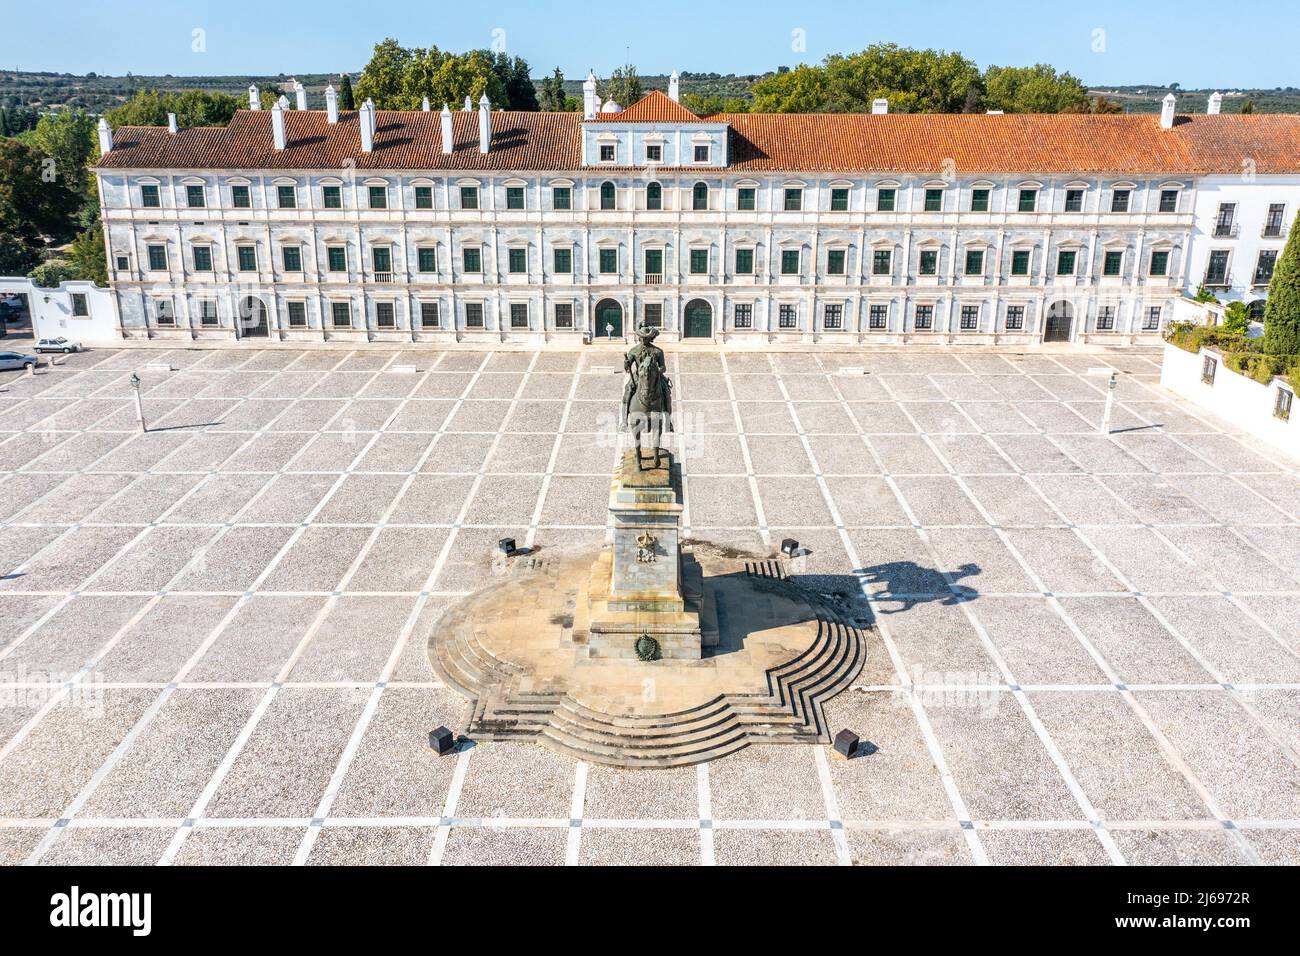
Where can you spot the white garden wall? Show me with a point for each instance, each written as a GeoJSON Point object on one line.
{"type": "Point", "coordinates": [52, 311]}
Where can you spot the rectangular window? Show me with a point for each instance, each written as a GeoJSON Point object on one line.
{"type": "Point", "coordinates": [332, 196]}
{"type": "Point", "coordinates": [979, 200]}
{"type": "Point", "coordinates": [700, 197]}
{"type": "Point", "coordinates": [381, 258]}
{"type": "Point", "coordinates": [291, 256]}
{"type": "Point", "coordinates": [1015, 318]}
{"type": "Point", "coordinates": [202, 258]}
{"type": "Point", "coordinates": [1209, 365]}
{"type": "Point", "coordinates": [793, 199]}
{"type": "Point", "coordinates": [562, 259]}
{"type": "Point", "coordinates": [1152, 321]}
{"type": "Point", "coordinates": [1216, 270]}
{"type": "Point", "coordinates": [247, 257]}
{"type": "Point", "coordinates": [1074, 200]}
{"type": "Point", "coordinates": [1169, 200]}
{"type": "Point", "coordinates": [974, 262]}
{"type": "Point", "coordinates": [789, 262]}
{"type": "Point", "coordinates": [287, 196]}
{"type": "Point", "coordinates": [163, 313]}
{"type": "Point", "coordinates": [934, 200]}
{"type": "Point", "coordinates": [158, 258]}
{"type": "Point", "coordinates": [1224, 221]}
{"type": "Point", "coordinates": [564, 315]}
{"type": "Point", "coordinates": [79, 307]}
{"type": "Point", "coordinates": [654, 262]}
{"type": "Point", "coordinates": [514, 197]}
{"type": "Point", "coordinates": [886, 199]}
{"type": "Point", "coordinates": [839, 199]}
{"type": "Point", "coordinates": [385, 315]}
{"type": "Point", "coordinates": [472, 259]}
{"type": "Point", "coordinates": [1274, 219]}
{"type": "Point", "coordinates": [607, 152]}
{"type": "Point", "coordinates": [742, 316]}
{"type": "Point", "coordinates": [423, 197]}
{"type": "Point", "coordinates": [517, 260]}
{"type": "Point", "coordinates": [194, 197]}
{"type": "Point", "coordinates": [1113, 263]}
{"type": "Point", "coordinates": [835, 262]}
{"type": "Point", "coordinates": [745, 198]}
{"type": "Point", "coordinates": [702, 152]}
{"type": "Point", "coordinates": [468, 197]}
{"type": "Point", "coordinates": [1119, 200]}
{"type": "Point", "coordinates": [878, 317]}
{"type": "Point", "coordinates": [473, 315]}
{"type": "Point", "coordinates": [654, 153]}
{"type": "Point", "coordinates": [1106, 318]}
{"type": "Point", "coordinates": [207, 313]}
{"type": "Point", "coordinates": [653, 313]}
{"type": "Point", "coordinates": [240, 198]}
{"type": "Point", "coordinates": [562, 197]}
{"type": "Point", "coordinates": [1020, 262]}
{"type": "Point", "coordinates": [833, 317]}
{"type": "Point", "coordinates": [1028, 200]}
{"type": "Point", "coordinates": [149, 196]}
{"type": "Point", "coordinates": [378, 197]}
{"type": "Point", "coordinates": [429, 318]}
{"type": "Point", "coordinates": [608, 261]}
{"type": "Point", "coordinates": [1282, 407]}
{"type": "Point", "coordinates": [519, 315]}
{"type": "Point", "coordinates": [608, 196]}
{"type": "Point", "coordinates": [924, 318]}
{"type": "Point", "coordinates": [787, 317]}
{"type": "Point", "coordinates": [341, 314]}
{"type": "Point", "coordinates": [929, 262]}
{"type": "Point", "coordinates": [1159, 263]}
{"type": "Point", "coordinates": [1264, 266]}
{"type": "Point", "coordinates": [123, 263]}
{"type": "Point", "coordinates": [337, 259]}
{"type": "Point", "coordinates": [882, 262]}
{"type": "Point", "coordinates": [970, 318]}
{"type": "Point", "coordinates": [1065, 262]}
{"type": "Point", "coordinates": [744, 262]}
{"type": "Point", "coordinates": [426, 259]}
{"type": "Point", "coordinates": [699, 262]}
{"type": "Point", "coordinates": [297, 314]}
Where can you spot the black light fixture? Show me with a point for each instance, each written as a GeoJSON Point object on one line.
{"type": "Point", "coordinates": [442, 741]}
{"type": "Point", "coordinates": [507, 546]}
{"type": "Point", "coordinates": [789, 546]}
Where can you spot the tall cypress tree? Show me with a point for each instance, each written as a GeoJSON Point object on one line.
{"type": "Point", "coordinates": [1282, 308]}
{"type": "Point", "coordinates": [346, 101]}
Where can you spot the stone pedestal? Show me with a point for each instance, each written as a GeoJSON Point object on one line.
{"type": "Point", "coordinates": [643, 584]}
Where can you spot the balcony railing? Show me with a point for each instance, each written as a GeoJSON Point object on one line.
{"type": "Point", "coordinates": [1226, 230]}
{"type": "Point", "coordinates": [654, 278]}
{"type": "Point", "coordinates": [1272, 230]}
{"type": "Point", "coordinates": [383, 277]}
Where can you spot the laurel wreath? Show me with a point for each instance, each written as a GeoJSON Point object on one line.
{"type": "Point", "coordinates": [647, 648]}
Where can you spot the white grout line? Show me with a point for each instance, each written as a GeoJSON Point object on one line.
{"type": "Point", "coordinates": [576, 809]}
{"type": "Point", "coordinates": [705, 822]}
{"type": "Point", "coordinates": [449, 806]}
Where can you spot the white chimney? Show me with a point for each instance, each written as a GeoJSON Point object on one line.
{"type": "Point", "coordinates": [424, 104]}
{"type": "Point", "coordinates": [366, 120]}
{"type": "Point", "coordinates": [331, 104]}
{"type": "Point", "coordinates": [1215, 105]}
{"type": "Point", "coordinates": [277, 124]}
{"type": "Point", "coordinates": [880, 105]}
{"type": "Point", "coordinates": [469, 105]}
{"type": "Point", "coordinates": [171, 123]}
{"type": "Point", "coordinates": [484, 124]}
{"type": "Point", "coordinates": [673, 91]}
{"type": "Point", "coordinates": [445, 121]}
{"type": "Point", "coordinates": [1167, 112]}
{"type": "Point", "coordinates": [300, 95]}
{"type": "Point", "coordinates": [105, 136]}
{"type": "Point", "coordinates": [589, 104]}
{"type": "Point", "coordinates": [254, 98]}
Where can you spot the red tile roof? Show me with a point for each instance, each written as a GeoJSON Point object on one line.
{"type": "Point", "coordinates": [816, 142]}
{"type": "Point", "coordinates": [654, 107]}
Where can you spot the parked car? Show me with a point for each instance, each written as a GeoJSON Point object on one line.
{"type": "Point", "coordinates": [58, 344]}
{"type": "Point", "coordinates": [13, 360]}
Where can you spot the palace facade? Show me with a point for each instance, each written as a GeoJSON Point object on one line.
{"type": "Point", "coordinates": [478, 225]}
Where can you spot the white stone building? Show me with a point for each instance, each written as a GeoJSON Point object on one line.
{"type": "Point", "coordinates": [475, 225]}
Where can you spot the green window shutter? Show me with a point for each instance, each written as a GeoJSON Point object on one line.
{"type": "Point", "coordinates": [608, 261]}
{"type": "Point", "coordinates": [149, 196]}
{"type": "Point", "coordinates": [835, 262]}
{"type": "Point", "coordinates": [338, 259]}
{"type": "Point", "coordinates": [287, 196]}
{"type": "Point", "coordinates": [839, 200]}
{"type": "Point", "coordinates": [381, 257]}
{"type": "Point", "coordinates": [202, 259]}
{"type": "Point", "coordinates": [654, 196]}
{"type": "Point", "coordinates": [562, 197]}
{"type": "Point", "coordinates": [979, 200]}
{"type": "Point", "coordinates": [699, 261]}
{"type": "Point", "coordinates": [1113, 264]}
{"type": "Point", "coordinates": [790, 262]}
{"type": "Point", "coordinates": [934, 200]}
{"type": "Point", "coordinates": [793, 199]}
{"type": "Point", "coordinates": [194, 197]}
{"type": "Point", "coordinates": [1065, 262]}
{"type": "Point", "coordinates": [514, 197]}
{"type": "Point", "coordinates": [700, 196]}
{"type": "Point", "coordinates": [745, 197]}
{"type": "Point", "coordinates": [518, 260]}
{"type": "Point", "coordinates": [427, 259]}
{"type": "Point", "coordinates": [378, 197]}
{"type": "Point", "coordinates": [886, 199]}
{"type": "Point", "coordinates": [423, 197]}
{"type": "Point", "coordinates": [745, 262]}
{"type": "Point", "coordinates": [473, 260]}
{"type": "Point", "coordinates": [1020, 262]}
{"type": "Point", "coordinates": [333, 196]}
{"type": "Point", "coordinates": [468, 197]}
{"type": "Point", "coordinates": [882, 262]}
{"type": "Point", "coordinates": [1028, 200]}
{"type": "Point", "coordinates": [606, 195]}
{"type": "Point", "coordinates": [564, 261]}
{"type": "Point", "coordinates": [1160, 263]}
{"type": "Point", "coordinates": [929, 262]}
{"type": "Point", "coordinates": [239, 197]}
{"type": "Point", "coordinates": [247, 259]}
{"type": "Point", "coordinates": [654, 261]}
{"type": "Point", "coordinates": [974, 262]}
{"type": "Point", "coordinates": [291, 256]}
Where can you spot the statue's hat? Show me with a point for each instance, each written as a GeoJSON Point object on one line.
{"type": "Point", "coordinates": [647, 331]}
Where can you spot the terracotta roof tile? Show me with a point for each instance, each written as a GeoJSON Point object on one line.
{"type": "Point", "coordinates": [817, 142]}
{"type": "Point", "coordinates": [654, 107]}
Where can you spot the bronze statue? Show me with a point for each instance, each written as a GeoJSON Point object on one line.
{"type": "Point", "coordinates": [647, 397]}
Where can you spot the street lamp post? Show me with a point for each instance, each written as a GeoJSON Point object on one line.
{"type": "Point", "coordinates": [139, 405]}
{"type": "Point", "coordinates": [1110, 401]}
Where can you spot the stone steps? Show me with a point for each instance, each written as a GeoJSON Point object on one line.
{"type": "Point", "coordinates": [622, 753]}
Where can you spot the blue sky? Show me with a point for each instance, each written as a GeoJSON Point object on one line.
{"type": "Point", "coordinates": [1244, 44]}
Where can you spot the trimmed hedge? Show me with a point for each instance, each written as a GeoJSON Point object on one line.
{"type": "Point", "coordinates": [1241, 354]}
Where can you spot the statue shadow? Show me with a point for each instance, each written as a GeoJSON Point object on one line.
{"type": "Point", "coordinates": [908, 584]}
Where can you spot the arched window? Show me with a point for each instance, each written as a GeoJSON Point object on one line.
{"type": "Point", "coordinates": [654, 196]}
{"type": "Point", "coordinates": [1256, 310]}
{"type": "Point", "coordinates": [700, 196]}
{"type": "Point", "coordinates": [607, 195]}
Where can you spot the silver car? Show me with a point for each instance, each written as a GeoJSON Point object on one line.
{"type": "Point", "coordinates": [58, 344]}
{"type": "Point", "coordinates": [15, 360]}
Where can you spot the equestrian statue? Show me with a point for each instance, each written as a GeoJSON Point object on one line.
{"type": "Point", "coordinates": [647, 397]}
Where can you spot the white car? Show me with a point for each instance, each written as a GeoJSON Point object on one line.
{"type": "Point", "coordinates": [59, 344]}
{"type": "Point", "coordinates": [16, 360]}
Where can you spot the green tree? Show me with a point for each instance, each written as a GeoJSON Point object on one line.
{"type": "Point", "coordinates": [707, 105]}
{"type": "Point", "coordinates": [1247, 106]}
{"type": "Point", "coordinates": [1236, 318]}
{"type": "Point", "coordinates": [48, 275]}
{"type": "Point", "coordinates": [623, 86]}
{"type": "Point", "coordinates": [33, 206]}
{"type": "Point", "coordinates": [17, 257]}
{"type": "Point", "coordinates": [1033, 89]}
{"type": "Point", "coordinates": [68, 137]}
{"type": "Point", "coordinates": [192, 108]}
{"type": "Point", "coordinates": [520, 93]}
{"type": "Point", "coordinates": [86, 255]}
{"type": "Point", "coordinates": [347, 99]}
{"type": "Point", "coordinates": [384, 76]}
{"type": "Point", "coordinates": [553, 98]}
{"type": "Point", "coordinates": [801, 90]}
{"type": "Point", "coordinates": [914, 81]}
{"type": "Point", "coordinates": [1282, 307]}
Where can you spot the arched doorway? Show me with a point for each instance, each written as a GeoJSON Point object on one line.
{"type": "Point", "coordinates": [609, 319]}
{"type": "Point", "coordinates": [698, 322]}
{"type": "Point", "coordinates": [1060, 317]}
{"type": "Point", "coordinates": [252, 318]}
